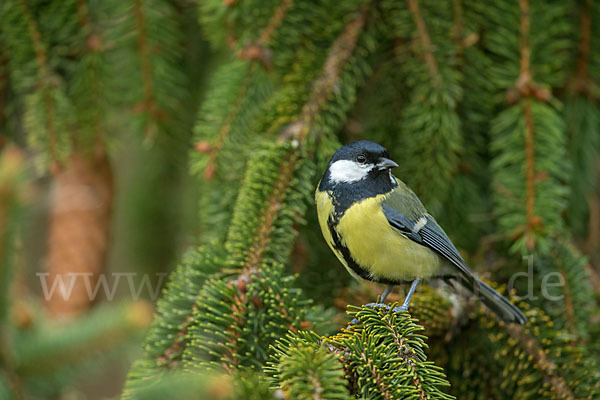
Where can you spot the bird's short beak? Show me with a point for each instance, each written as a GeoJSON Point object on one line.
{"type": "Point", "coordinates": [385, 163]}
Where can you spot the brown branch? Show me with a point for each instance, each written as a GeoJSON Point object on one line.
{"type": "Point", "coordinates": [524, 45]}
{"type": "Point", "coordinates": [237, 307]}
{"type": "Point", "coordinates": [376, 378]}
{"type": "Point", "coordinates": [253, 52]}
{"type": "Point", "coordinates": [548, 368]}
{"type": "Point", "coordinates": [318, 388]}
{"type": "Point", "coordinates": [581, 81]}
{"type": "Point", "coordinates": [166, 359]}
{"type": "Point", "coordinates": [258, 50]}
{"type": "Point", "coordinates": [260, 242]}
{"type": "Point", "coordinates": [148, 103]}
{"type": "Point", "coordinates": [44, 81]}
{"type": "Point", "coordinates": [339, 53]}
{"type": "Point", "coordinates": [569, 307]}
{"type": "Point", "coordinates": [413, 6]}
{"type": "Point", "coordinates": [409, 357]}
{"type": "Point", "coordinates": [525, 86]}
{"type": "Point", "coordinates": [593, 232]}
{"type": "Point", "coordinates": [532, 220]}
{"type": "Point", "coordinates": [215, 149]}
{"type": "Point", "coordinates": [3, 93]}
{"type": "Point", "coordinates": [261, 239]}
{"type": "Point", "coordinates": [274, 22]}
{"type": "Point", "coordinates": [94, 45]}
{"type": "Point", "coordinates": [458, 26]}
{"type": "Point", "coordinates": [256, 251]}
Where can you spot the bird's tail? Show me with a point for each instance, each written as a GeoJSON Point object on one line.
{"type": "Point", "coordinates": [504, 309]}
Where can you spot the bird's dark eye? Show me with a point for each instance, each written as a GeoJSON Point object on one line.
{"type": "Point", "coordinates": [361, 158]}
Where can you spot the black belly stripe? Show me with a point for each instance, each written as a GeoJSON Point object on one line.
{"type": "Point", "coordinates": [360, 271]}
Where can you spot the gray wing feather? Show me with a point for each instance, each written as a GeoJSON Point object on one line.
{"type": "Point", "coordinates": [430, 234]}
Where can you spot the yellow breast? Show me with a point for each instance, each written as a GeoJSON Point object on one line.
{"type": "Point", "coordinates": [324, 210]}
{"type": "Point", "coordinates": [375, 245]}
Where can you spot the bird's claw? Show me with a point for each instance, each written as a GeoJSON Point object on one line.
{"type": "Point", "coordinates": [377, 305]}
{"type": "Point", "coordinates": [402, 308]}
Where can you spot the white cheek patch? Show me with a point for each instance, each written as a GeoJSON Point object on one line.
{"type": "Point", "coordinates": [348, 171]}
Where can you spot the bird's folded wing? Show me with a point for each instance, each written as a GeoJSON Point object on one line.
{"type": "Point", "coordinates": [406, 214]}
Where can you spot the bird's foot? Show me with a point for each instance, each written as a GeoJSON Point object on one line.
{"type": "Point", "coordinates": [402, 308]}
{"type": "Point", "coordinates": [377, 305]}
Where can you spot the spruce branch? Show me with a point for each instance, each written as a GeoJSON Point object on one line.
{"type": "Point", "coordinates": [549, 369]}
{"type": "Point", "coordinates": [303, 369]}
{"type": "Point", "coordinates": [43, 73]}
{"type": "Point", "coordinates": [223, 130]}
{"type": "Point", "coordinates": [531, 121]}
{"type": "Point", "coordinates": [582, 119]}
{"type": "Point", "coordinates": [538, 360]}
{"type": "Point", "coordinates": [92, 63]}
{"type": "Point", "coordinates": [581, 82]}
{"type": "Point", "coordinates": [258, 50]}
{"type": "Point", "coordinates": [44, 77]}
{"type": "Point", "coordinates": [44, 352]}
{"type": "Point", "coordinates": [148, 102]}
{"type": "Point", "coordinates": [339, 53]}
{"type": "Point", "coordinates": [12, 199]}
{"type": "Point", "coordinates": [383, 357]}
{"type": "Point", "coordinates": [274, 22]}
{"type": "Point", "coordinates": [427, 48]}
{"type": "Point", "coordinates": [234, 110]}
{"type": "Point", "coordinates": [166, 340]}
{"type": "Point", "coordinates": [430, 124]}
{"type": "Point", "coordinates": [571, 304]}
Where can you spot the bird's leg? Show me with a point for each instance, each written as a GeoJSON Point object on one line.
{"type": "Point", "coordinates": [388, 290]}
{"type": "Point", "coordinates": [409, 295]}
{"type": "Point", "coordinates": [380, 304]}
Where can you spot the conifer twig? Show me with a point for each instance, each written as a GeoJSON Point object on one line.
{"type": "Point", "coordinates": [409, 357]}
{"type": "Point", "coordinates": [286, 171]}
{"type": "Point", "coordinates": [580, 82]}
{"type": "Point", "coordinates": [252, 52]}
{"type": "Point", "coordinates": [547, 367]}
{"type": "Point", "coordinates": [93, 44]}
{"type": "Point", "coordinates": [215, 149]}
{"type": "Point", "coordinates": [275, 21]}
{"type": "Point", "coordinates": [257, 50]}
{"type": "Point", "coordinates": [339, 53]}
{"type": "Point", "coordinates": [376, 377]}
{"type": "Point", "coordinates": [458, 26]}
{"type": "Point", "coordinates": [524, 81]}
{"type": "Point", "coordinates": [532, 221]}
{"type": "Point", "coordinates": [44, 80]}
{"type": "Point", "coordinates": [413, 6]}
{"type": "Point", "coordinates": [148, 102]}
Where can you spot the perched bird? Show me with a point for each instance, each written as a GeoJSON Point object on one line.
{"type": "Point", "coordinates": [380, 231]}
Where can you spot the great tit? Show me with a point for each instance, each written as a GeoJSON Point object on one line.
{"type": "Point", "coordinates": [380, 231]}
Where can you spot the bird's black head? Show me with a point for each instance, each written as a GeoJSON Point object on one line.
{"type": "Point", "coordinates": [358, 170]}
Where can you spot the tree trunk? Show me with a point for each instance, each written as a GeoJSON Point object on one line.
{"type": "Point", "coordinates": [79, 228]}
